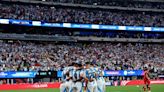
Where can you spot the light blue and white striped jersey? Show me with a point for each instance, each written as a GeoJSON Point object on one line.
{"type": "Point", "coordinates": [89, 73]}
{"type": "Point", "coordinates": [64, 76]}
{"type": "Point", "coordinates": [66, 70]}
{"type": "Point", "coordinates": [77, 74]}
{"type": "Point", "coordinates": [94, 72]}
{"type": "Point", "coordinates": [71, 70]}
{"type": "Point", "coordinates": [100, 74]}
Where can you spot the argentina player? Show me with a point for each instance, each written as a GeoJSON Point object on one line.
{"type": "Point", "coordinates": [103, 79]}
{"type": "Point", "coordinates": [66, 81]}
{"type": "Point", "coordinates": [94, 70]}
{"type": "Point", "coordinates": [100, 80]}
{"type": "Point", "coordinates": [63, 87]}
{"type": "Point", "coordinates": [89, 73]}
{"type": "Point", "coordinates": [77, 77]}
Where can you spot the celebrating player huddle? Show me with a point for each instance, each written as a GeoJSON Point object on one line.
{"type": "Point", "coordinates": [79, 78]}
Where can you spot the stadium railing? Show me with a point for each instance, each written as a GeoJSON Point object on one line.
{"type": "Point", "coordinates": [5, 36]}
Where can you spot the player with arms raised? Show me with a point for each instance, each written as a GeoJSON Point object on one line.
{"type": "Point", "coordinates": [146, 79]}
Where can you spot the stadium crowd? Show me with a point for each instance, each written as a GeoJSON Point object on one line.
{"type": "Point", "coordinates": [80, 15]}
{"type": "Point", "coordinates": [28, 56]}
{"type": "Point", "coordinates": [120, 35]}
{"type": "Point", "coordinates": [131, 4]}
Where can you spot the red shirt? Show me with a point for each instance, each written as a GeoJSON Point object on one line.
{"type": "Point", "coordinates": [145, 75]}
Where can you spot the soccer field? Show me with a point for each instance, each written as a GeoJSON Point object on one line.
{"type": "Point", "coordinates": [155, 88]}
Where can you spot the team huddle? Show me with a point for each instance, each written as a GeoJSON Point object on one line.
{"type": "Point", "coordinates": [78, 78]}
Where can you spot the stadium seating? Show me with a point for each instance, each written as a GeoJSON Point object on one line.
{"type": "Point", "coordinates": [80, 15]}
{"type": "Point", "coordinates": [26, 56]}
{"type": "Point", "coordinates": [118, 3]}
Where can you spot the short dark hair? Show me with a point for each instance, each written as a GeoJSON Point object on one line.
{"type": "Point", "coordinates": [87, 63]}
{"type": "Point", "coordinates": [80, 65]}
{"type": "Point", "coordinates": [92, 64]}
{"type": "Point", "coordinates": [73, 63]}
{"type": "Point", "coordinates": [145, 69]}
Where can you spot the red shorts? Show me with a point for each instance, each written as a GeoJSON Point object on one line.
{"type": "Point", "coordinates": [147, 82]}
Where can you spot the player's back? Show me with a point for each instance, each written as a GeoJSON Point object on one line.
{"type": "Point", "coordinates": [77, 75]}
{"type": "Point", "coordinates": [64, 74]}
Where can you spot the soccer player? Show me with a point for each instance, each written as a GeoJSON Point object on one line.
{"type": "Point", "coordinates": [77, 77]}
{"type": "Point", "coordinates": [63, 87]}
{"type": "Point", "coordinates": [93, 69]}
{"type": "Point", "coordinates": [70, 80]}
{"type": "Point", "coordinates": [66, 80]}
{"type": "Point", "coordinates": [146, 80]}
{"type": "Point", "coordinates": [100, 80]}
{"type": "Point", "coordinates": [85, 79]}
{"type": "Point", "coordinates": [90, 76]}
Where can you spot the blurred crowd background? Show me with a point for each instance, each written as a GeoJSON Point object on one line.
{"type": "Point", "coordinates": [28, 56]}
{"type": "Point", "coordinates": [81, 15]}
{"type": "Point", "coordinates": [119, 3]}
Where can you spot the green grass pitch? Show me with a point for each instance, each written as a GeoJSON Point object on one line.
{"type": "Point", "coordinates": [155, 88]}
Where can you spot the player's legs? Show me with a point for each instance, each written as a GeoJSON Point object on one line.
{"type": "Point", "coordinates": [145, 87]}
{"type": "Point", "coordinates": [100, 85]}
{"type": "Point", "coordinates": [90, 87]}
{"type": "Point", "coordinates": [62, 87]}
{"type": "Point", "coordinates": [95, 86]}
{"type": "Point", "coordinates": [72, 87]}
{"type": "Point", "coordinates": [148, 86]}
{"type": "Point", "coordinates": [79, 87]}
{"type": "Point", "coordinates": [67, 86]}
{"type": "Point", "coordinates": [104, 85]}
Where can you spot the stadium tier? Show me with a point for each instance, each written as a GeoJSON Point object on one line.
{"type": "Point", "coordinates": [27, 56]}
{"type": "Point", "coordinates": [49, 13]}
{"type": "Point", "coordinates": [152, 4]}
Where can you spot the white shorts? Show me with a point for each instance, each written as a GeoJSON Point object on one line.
{"type": "Point", "coordinates": [104, 86]}
{"type": "Point", "coordinates": [92, 86]}
{"type": "Point", "coordinates": [66, 86]}
{"type": "Point", "coordinates": [95, 84]}
{"type": "Point", "coordinates": [100, 86]}
{"type": "Point", "coordinates": [76, 87]}
{"type": "Point", "coordinates": [63, 87]}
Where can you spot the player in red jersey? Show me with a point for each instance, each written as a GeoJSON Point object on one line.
{"type": "Point", "coordinates": [146, 80]}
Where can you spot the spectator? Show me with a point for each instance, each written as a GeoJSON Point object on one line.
{"type": "Point", "coordinates": [54, 14]}
{"type": "Point", "coordinates": [114, 56]}
{"type": "Point", "coordinates": [131, 4]}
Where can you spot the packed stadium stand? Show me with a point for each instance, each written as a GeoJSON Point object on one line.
{"type": "Point", "coordinates": [118, 3]}
{"type": "Point", "coordinates": [24, 56]}
{"type": "Point", "coordinates": [81, 15]}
